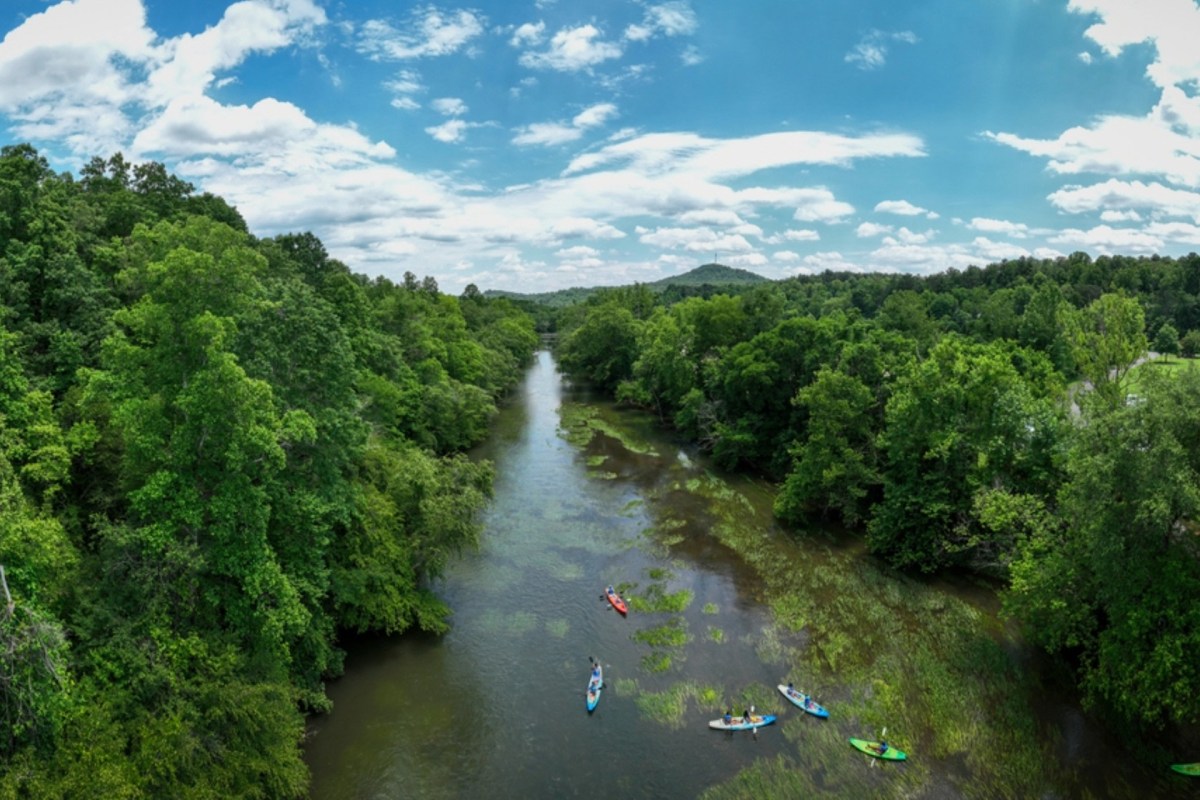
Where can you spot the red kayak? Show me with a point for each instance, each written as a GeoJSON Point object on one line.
{"type": "Point", "coordinates": [616, 600]}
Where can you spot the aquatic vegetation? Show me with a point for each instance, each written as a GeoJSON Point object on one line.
{"type": "Point", "coordinates": [902, 654]}
{"type": "Point", "coordinates": [633, 505]}
{"type": "Point", "coordinates": [708, 697]}
{"type": "Point", "coordinates": [920, 661]}
{"type": "Point", "coordinates": [595, 461]}
{"type": "Point", "coordinates": [655, 599]}
{"type": "Point", "coordinates": [657, 661]}
{"type": "Point", "coordinates": [622, 435]}
{"type": "Point", "coordinates": [670, 634]}
{"type": "Point", "coordinates": [574, 423]}
{"type": "Point", "coordinates": [579, 424]}
{"type": "Point", "coordinates": [512, 624]}
{"type": "Point", "coordinates": [670, 706]}
{"type": "Point", "coordinates": [557, 627]}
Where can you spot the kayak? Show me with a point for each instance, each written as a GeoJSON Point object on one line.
{"type": "Point", "coordinates": [804, 701]}
{"type": "Point", "coordinates": [1187, 769]}
{"type": "Point", "coordinates": [738, 724]}
{"type": "Point", "coordinates": [616, 600]}
{"type": "Point", "coordinates": [872, 749]}
{"type": "Point", "coordinates": [595, 684]}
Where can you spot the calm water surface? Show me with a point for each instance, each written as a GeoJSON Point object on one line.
{"type": "Point", "coordinates": [496, 708]}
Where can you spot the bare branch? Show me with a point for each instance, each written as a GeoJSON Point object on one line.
{"type": "Point", "coordinates": [8, 601]}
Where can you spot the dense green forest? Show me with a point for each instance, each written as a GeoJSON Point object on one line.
{"type": "Point", "coordinates": [216, 452]}
{"type": "Point", "coordinates": [975, 421]}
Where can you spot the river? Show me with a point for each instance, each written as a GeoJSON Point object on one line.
{"type": "Point", "coordinates": [495, 708]}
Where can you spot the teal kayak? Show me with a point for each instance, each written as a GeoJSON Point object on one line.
{"type": "Point", "coordinates": [595, 684]}
{"type": "Point", "coordinates": [873, 749]}
{"type": "Point", "coordinates": [804, 701]}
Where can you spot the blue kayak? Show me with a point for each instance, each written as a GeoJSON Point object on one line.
{"type": "Point", "coordinates": [595, 684]}
{"type": "Point", "coordinates": [804, 701]}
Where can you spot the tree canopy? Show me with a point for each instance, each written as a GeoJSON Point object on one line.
{"type": "Point", "coordinates": [215, 452]}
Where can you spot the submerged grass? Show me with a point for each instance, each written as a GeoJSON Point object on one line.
{"type": "Point", "coordinates": [670, 706]}
{"type": "Point", "coordinates": [670, 634]}
{"type": "Point", "coordinates": [656, 599]}
{"type": "Point", "coordinates": [892, 651]}
{"type": "Point", "coordinates": [925, 664]}
{"type": "Point", "coordinates": [657, 662]}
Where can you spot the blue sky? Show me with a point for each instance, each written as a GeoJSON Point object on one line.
{"type": "Point", "coordinates": [532, 145]}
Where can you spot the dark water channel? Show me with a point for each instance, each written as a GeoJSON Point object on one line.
{"type": "Point", "coordinates": [495, 708]}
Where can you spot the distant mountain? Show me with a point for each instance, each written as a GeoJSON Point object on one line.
{"type": "Point", "coordinates": [712, 274]}
{"type": "Point", "coordinates": [704, 275]}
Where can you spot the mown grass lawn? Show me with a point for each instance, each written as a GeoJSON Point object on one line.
{"type": "Point", "coordinates": [1169, 365]}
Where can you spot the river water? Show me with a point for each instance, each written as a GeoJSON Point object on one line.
{"type": "Point", "coordinates": [495, 708]}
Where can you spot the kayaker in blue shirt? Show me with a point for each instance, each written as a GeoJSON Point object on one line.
{"type": "Point", "coordinates": [728, 718]}
{"type": "Point", "coordinates": [883, 747]}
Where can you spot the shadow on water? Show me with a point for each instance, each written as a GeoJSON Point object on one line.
{"type": "Point", "coordinates": [724, 606]}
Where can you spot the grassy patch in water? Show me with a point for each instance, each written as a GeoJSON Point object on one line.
{"type": "Point", "coordinates": [573, 423]}
{"type": "Point", "coordinates": [515, 623]}
{"type": "Point", "coordinates": [914, 658]}
{"type": "Point", "coordinates": [656, 600]}
{"type": "Point", "coordinates": [657, 662]}
{"type": "Point", "coordinates": [602, 475]}
{"type": "Point", "coordinates": [715, 634]}
{"type": "Point", "coordinates": [621, 435]}
{"type": "Point", "coordinates": [670, 634]}
{"type": "Point", "coordinates": [557, 627]}
{"type": "Point", "coordinates": [595, 461]}
{"type": "Point", "coordinates": [661, 537]}
{"type": "Point", "coordinates": [710, 608]}
{"type": "Point", "coordinates": [670, 706]}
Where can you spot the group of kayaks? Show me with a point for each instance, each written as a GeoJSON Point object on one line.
{"type": "Point", "coordinates": [596, 679]}
{"type": "Point", "coordinates": [750, 721]}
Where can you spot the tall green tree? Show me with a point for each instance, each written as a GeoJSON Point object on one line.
{"type": "Point", "coordinates": [603, 348]}
{"type": "Point", "coordinates": [1106, 339]}
{"type": "Point", "coordinates": [963, 420]}
{"type": "Point", "coordinates": [835, 467]}
{"type": "Point", "coordinates": [1114, 584]}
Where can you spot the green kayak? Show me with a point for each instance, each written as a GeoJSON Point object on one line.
{"type": "Point", "coordinates": [872, 749]}
{"type": "Point", "coordinates": [1187, 769]}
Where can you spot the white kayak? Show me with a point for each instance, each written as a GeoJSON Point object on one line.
{"type": "Point", "coordinates": [739, 724]}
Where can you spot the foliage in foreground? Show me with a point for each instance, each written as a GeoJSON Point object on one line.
{"type": "Point", "coordinates": [215, 452]}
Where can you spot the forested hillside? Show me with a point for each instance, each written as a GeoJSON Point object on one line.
{"type": "Point", "coordinates": [934, 416]}
{"type": "Point", "coordinates": [705, 280]}
{"type": "Point", "coordinates": [216, 452]}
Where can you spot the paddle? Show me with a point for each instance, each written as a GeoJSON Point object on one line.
{"type": "Point", "coordinates": [877, 748]}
